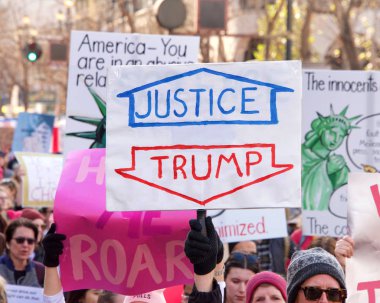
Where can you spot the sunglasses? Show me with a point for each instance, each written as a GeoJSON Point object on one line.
{"type": "Point", "coordinates": [333, 294]}
{"type": "Point", "coordinates": [248, 259]}
{"type": "Point", "coordinates": [21, 240]}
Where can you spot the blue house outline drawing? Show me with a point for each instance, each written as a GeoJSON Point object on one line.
{"type": "Point", "coordinates": [273, 108]}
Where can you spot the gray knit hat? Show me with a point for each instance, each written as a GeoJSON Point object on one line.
{"type": "Point", "coordinates": [308, 263]}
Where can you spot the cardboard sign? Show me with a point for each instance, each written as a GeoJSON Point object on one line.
{"type": "Point", "coordinates": [33, 133]}
{"type": "Point", "coordinates": [341, 118]}
{"type": "Point", "coordinates": [91, 53]}
{"type": "Point", "coordinates": [42, 173]}
{"type": "Point", "coordinates": [252, 224]}
{"type": "Point", "coordinates": [22, 294]}
{"type": "Point", "coordinates": [362, 270]}
{"type": "Point", "coordinates": [125, 252]}
{"type": "Point", "coordinates": [204, 136]}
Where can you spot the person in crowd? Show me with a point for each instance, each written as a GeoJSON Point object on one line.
{"type": "Point", "coordinates": [39, 220]}
{"type": "Point", "coordinates": [11, 187]}
{"type": "Point", "coordinates": [4, 171]}
{"type": "Point", "coordinates": [16, 266]}
{"type": "Point", "coordinates": [314, 275]}
{"type": "Point", "coordinates": [301, 241]}
{"type": "Point", "coordinates": [266, 287]}
{"type": "Point", "coordinates": [239, 268]}
{"type": "Point", "coordinates": [83, 296]}
{"type": "Point", "coordinates": [344, 248]}
{"type": "Point", "coordinates": [327, 243]}
{"type": "Point", "coordinates": [204, 251]}
{"type": "Point", "coordinates": [2, 244]}
{"type": "Point", "coordinates": [3, 216]}
{"type": "Point", "coordinates": [274, 254]}
{"type": "Point", "coordinates": [247, 247]}
{"type": "Point", "coordinates": [107, 296]}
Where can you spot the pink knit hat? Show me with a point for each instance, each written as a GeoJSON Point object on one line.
{"type": "Point", "coordinates": [267, 277]}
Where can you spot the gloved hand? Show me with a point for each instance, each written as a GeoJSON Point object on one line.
{"type": "Point", "coordinates": [202, 250]}
{"type": "Point", "coordinates": [53, 247]}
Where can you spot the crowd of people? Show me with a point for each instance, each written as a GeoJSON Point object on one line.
{"type": "Point", "coordinates": [295, 269]}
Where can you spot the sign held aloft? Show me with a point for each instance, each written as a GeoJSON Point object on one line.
{"type": "Point", "coordinates": [210, 135]}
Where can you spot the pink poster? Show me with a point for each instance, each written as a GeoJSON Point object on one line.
{"type": "Point", "coordinates": [125, 252]}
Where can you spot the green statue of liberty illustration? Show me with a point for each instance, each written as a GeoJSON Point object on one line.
{"type": "Point", "coordinates": [99, 134]}
{"type": "Point", "coordinates": [323, 171]}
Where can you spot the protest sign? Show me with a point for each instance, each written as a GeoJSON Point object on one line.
{"type": "Point", "coordinates": [340, 121]}
{"type": "Point", "coordinates": [33, 133]}
{"type": "Point", "coordinates": [125, 252]}
{"type": "Point", "coordinates": [204, 136]}
{"type": "Point", "coordinates": [91, 53]}
{"type": "Point", "coordinates": [252, 224]}
{"type": "Point", "coordinates": [363, 269]}
{"type": "Point", "coordinates": [22, 294]}
{"type": "Point", "coordinates": [42, 173]}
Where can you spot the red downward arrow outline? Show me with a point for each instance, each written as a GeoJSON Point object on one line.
{"type": "Point", "coordinates": [124, 171]}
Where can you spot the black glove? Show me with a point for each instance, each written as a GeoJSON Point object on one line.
{"type": "Point", "coordinates": [202, 250]}
{"type": "Point", "coordinates": [53, 247]}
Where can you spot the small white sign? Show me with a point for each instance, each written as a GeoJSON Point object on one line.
{"type": "Point", "coordinates": [249, 224]}
{"type": "Point", "coordinates": [22, 294]}
{"type": "Point", "coordinates": [42, 174]}
{"type": "Point", "coordinates": [91, 53]}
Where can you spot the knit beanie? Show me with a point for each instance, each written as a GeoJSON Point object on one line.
{"type": "Point", "coordinates": [265, 277]}
{"type": "Point", "coordinates": [308, 263]}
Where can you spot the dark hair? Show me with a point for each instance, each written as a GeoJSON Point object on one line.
{"type": "Point", "coordinates": [10, 184]}
{"type": "Point", "coordinates": [241, 260]}
{"type": "Point", "coordinates": [106, 296]}
{"type": "Point", "coordinates": [11, 228]}
{"type": "Point", "coordinates": [75, 296]}
{"type": "Point", "coordinates": [327, 243]}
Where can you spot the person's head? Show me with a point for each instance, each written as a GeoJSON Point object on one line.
{"type": "Point", "coordinates": [107, 296]}
{"type": "Point", "coordinates": [20, 237]}
{"type": "Point", "coordinates": [83, 296]}
{"type": "Point", "coordinates": [314, 273]}
{"type": "Point", "coordinates": [5, 199]}
{"type": "Point", "coordinates": [266, 287]}
{"type": "Point", "coordinates": [327, 243]}
{"type": "Point", "coordinates": [156, 296]}
{"type": "Point", "coordinates": [247, 247]}
{"type": "Point", "coordinates": [11, 186]}
{"type": "Point", "coordinates": [238, 269]}
{"type": "Point", "coordinates": [37, 218]}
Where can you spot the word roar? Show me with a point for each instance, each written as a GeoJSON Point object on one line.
{"type": "Point", "coordinates": [203, 173]}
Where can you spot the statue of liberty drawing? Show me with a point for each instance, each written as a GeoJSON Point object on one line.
{"type": "Point", "coordinates": [323, 171]}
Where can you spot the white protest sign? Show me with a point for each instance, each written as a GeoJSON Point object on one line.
{"type": "Point", "coordinates": [91, 53]}
{"type": "Point", "coordinates": [340, 126]}
{"type": "Point", "coordinates": [42, 173]}
{"type": "Point", "coordinates": [210, 136]}
{"type": "Point", "coordinates": [22, 294]}
{"type": "Point", "coordinates": [363, 269]}
{"type": "Point", "coordinates": [249, 224]}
